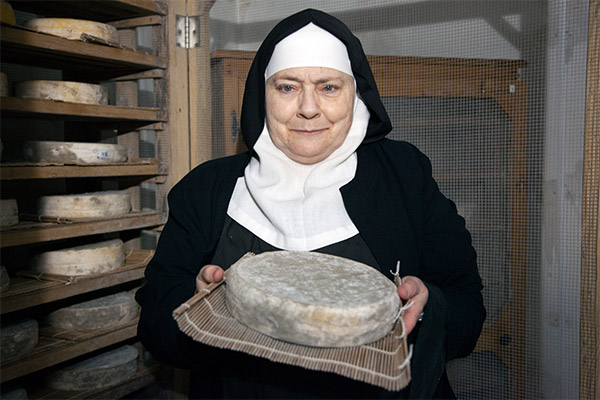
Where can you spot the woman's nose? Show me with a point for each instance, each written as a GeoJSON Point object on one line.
{"type": "Point", "coordinates": [309, 105]}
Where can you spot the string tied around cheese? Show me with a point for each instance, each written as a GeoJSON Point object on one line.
{"type": "Point", "coordinates": [396, 274]}
{"type": "Point", "coordinates": [407, 359]}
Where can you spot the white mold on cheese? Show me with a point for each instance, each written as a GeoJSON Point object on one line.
{"type": "Point", "coordinates": [85, 205]}
{"type": "Point", "coordinates": [99, 313]}
{"type": "Point", "coordinates": [18, 338]}
{"type": "Point", "coordinates": [69, 92]}
{"type": "Point", "coordinates": [101, 371]}
{"type": "Point", "coordinates": [88, 259]}
{"type": "Point", "coordinates": [74, 152]}
{"type": "Point", "coordinates": [73, 28]}
{"type": "Point", "coordinates": [312, 299]}
{"type": "Point", "coordinates": [9, 212]}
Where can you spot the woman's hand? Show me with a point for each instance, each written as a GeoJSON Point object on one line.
{"type": "Point", "coordinates": [208, 274]}
{"type": "Point", "coordinates": [413, 289]}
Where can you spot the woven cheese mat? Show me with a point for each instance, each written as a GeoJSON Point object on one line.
{"type": "Point", "coordinates": [384, 363]}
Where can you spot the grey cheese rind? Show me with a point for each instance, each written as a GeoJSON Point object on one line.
{"type": "Point", "coordinates": [312, 299]}
{"type": "Point", "coordinates": [4, 279]}
{"type": "Point", "coordinates": [104, 370]}
{"type": "Point", "coordinates": [74, 152]}
{"type": "Point", "coordinates": [99, 313]}
{"type": "Point", "coordinates": [9, 212]}
{"type": "Point", "coordinates": [18, 338]}
{"type": "Point", "coordinates": [104, 204]}
{"type": "Point", "coordinates": [81, 260]}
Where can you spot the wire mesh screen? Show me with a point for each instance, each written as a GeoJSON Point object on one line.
{"type": "Point", "coordinates": [493, 92]}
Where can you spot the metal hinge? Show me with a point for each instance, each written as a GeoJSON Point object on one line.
{"type": "Point", "coordinates": [188, 32]}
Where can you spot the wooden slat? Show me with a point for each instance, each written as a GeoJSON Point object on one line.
{"type": "Point", "coordinates": [74, 111]}
{"type": "Point", "coordinates": [29, 292]}
{"type": "Point", "coordinates": [34, 48]}
{"type": "Point", "coordinates": [140, 21]}
{"type": "Point", "coordinates": [97, 10]}
{"type": "Point", "coordinates": [51, 351]}
{"type": "Point", "coordinates": [35, 232]}
{"type": "Point", "coordinates": [48, 171]}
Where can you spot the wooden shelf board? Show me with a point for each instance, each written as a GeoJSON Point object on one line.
{"type": "Point", "coordinates": [36, 232]}
{"type": "Point", "coordinates": [97, 10]}
{"type": "Point", "coordinates": [24, 46]}
{"type": "Point", "coordinates": [27, 292]}
{"type": "Point", "coordinates": [52, 350]}
{"type": "Point", "coordinates": [144, 167]}
{"type": "Point", "coordinates": [16, 106]}
{"type": "Point", "coordinates": [145, 375]}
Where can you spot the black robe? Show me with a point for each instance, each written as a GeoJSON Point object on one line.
{"type": "Point", "coordinates": [394, 203]}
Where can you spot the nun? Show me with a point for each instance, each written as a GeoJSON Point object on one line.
{"type": "Point", "coordinates": [319, 176]}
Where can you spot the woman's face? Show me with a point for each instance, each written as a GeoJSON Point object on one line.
{"type": "Point", "coordinates": [309, 111]}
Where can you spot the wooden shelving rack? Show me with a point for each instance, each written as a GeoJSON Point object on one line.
{"type": "Point", "coordinates": [93, 61]}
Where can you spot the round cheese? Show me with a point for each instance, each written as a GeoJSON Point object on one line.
{"type": "Point", "coordinates": [86, 205]}
{"type": "Point", "coordinates": [9, 212]}
{"type": "Point", "coordinates": [88, 259]}
{"type": "Point", "coordinates": [13, 392]}
{"type": "Point", "coordinates": [311, 298]}
{"type": "Point", "coordinates": [73, 28]}
{"type": "Point", "coordinates": [70, 92]}
{"type": "Point", "coordinates": [74, 152]}
{"type": "Point", "coordinates": [4, 279]}
{"type": "Point", "coordinates": [101, 371]}
{"type": "Point", "coordinates": [3, 85]}
{"type": "Point", "coordinates": [7, 15]}
{"type": "Point", "coordinates": [99, 313]}
{"type": "Point", "coordinates": [18, 338]}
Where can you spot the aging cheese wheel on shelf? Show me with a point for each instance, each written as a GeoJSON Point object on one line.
{"type": "Point", "coordinates": [13, 392]}
{"type": "Point", "coordinates": [99, 313]}
{"type": "Point", "coordinates": [74, 152]}
{"type": "Point", "coordinates": [70, 92]}
{"type": "Point", "coordinates": [4, 279]}
{"type": "Point", "coordinates": [7, 15]}
{"type": "Point", "coordinates": [311, 299]}
{"type": "Point", "coordinates": [101, 371]}
{"type": "Point", "coordinates": [9, 212]}
{"type": "Point", "coordinates": [74, 28]}
{"type": "Point", "coordinates": [85, 205]}
{"type": "Point", "coordinates": [3, 85]}
{"type": "Point", "coordinates": [18, 338]}
{"type": "Point", "coordinates": [81, 260]}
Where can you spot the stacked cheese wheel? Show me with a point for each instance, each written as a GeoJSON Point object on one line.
{"type": "Point", "coordinates": [88, 259]}
{"type": "Point", "coordinates": [74, 28]}
{"type": "Point", "coordinates": [85, 205]}
{"type": "Point", "coordinates": [101, 371]}
{"type": "Point", "coordinates": [70, 92]}
{"type": "Point", "coordinates": [74, 152]}
{"type": "Point", "coordinates": [9, 212]}
{"type": "Point", "coordinates": [18, 338]}
{"type": "Point", "coordinates": [312, 299]}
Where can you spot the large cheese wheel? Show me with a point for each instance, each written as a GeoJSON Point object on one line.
{"type": "Point", "coordinates": [18, 338]}
{"type": "Point", "coordinates": [104, 370]}
{"type": "Point", "coordinates": [70, 92]}
{"type": "Point", "coordinates": [74, 28]}
{"type": "Point", "coordinates": [3, 85]}
{"type": "Point", "coordinates": [85, 205]}
{"type": "Point", "coordinates": [4, 279]}
{"type": "Point", "coordinates": [13, 392]}
{"type": "Point", "coordinates": [88, 259]}
{"type": "Point", "coordinates": [7, 15]}
{"type": "Point", "coordinates": [9, 212]}
{"type": "Point", "coordinates": [99, 313]}
{"type": "Point", "coordinates": [312, 299]}
{"type": "Point", "coordinates": [74, 152]}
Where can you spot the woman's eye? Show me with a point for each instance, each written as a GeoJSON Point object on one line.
{"type": "Point", "coordinates": [286, 88]}
{"type": "Point", "coordinates": [329, 88]}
